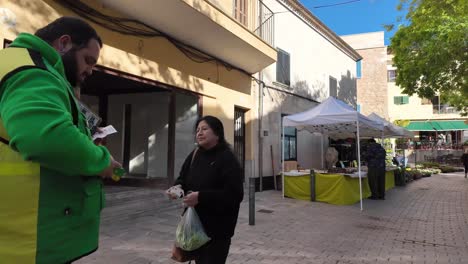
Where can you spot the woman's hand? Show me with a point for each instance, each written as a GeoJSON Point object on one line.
{"type": "Point", "coordinates": [191, 199]}
{"type": "Point", "coordinates": [175, 192]}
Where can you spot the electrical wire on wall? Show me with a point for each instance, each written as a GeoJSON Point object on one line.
{"type": "Point", "coordinates": [134, 27]}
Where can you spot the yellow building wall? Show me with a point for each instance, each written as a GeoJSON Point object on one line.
{"type": "Point", "coordinates": [152, 58]}
{"type": "Point", "coordinates": [227, 6]}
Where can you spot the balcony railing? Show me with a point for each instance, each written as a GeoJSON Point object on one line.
{"type": "Point", "coordinates": [265, 23]}
{"type": "Point", "coordinates": [444, 109]}
{"type": "Point", "coordinates": [257, 17]}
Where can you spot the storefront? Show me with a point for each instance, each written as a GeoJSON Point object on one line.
{"type": "Point", "coordinates": [437, 134]}
{"type": "Point", "coordinates": [151, 86]}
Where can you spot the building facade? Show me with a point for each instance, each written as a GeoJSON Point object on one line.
{"type": "Point", "coordinates": [437, 126]}
{"type": "Point", "coordinates": [372, 82]}
{"type": "Point", "coordinates": [313, 63]}
{"type": "Point", "coordinates": [167, 64]}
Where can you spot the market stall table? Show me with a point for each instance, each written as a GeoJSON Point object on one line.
{"type": "Point", "coordinates": [340, 189]}
{"type": "Point", "coordinates": [334, 188]}
{"type": "Point", "coordinates": [389, 179]}
{"type": "Point", "coordinates": [297, 184]}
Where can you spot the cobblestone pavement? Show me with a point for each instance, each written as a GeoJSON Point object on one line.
{"type": "Point", "coordinates": [423, 222]}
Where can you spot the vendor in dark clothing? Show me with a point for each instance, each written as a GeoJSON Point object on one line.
{"type": "Point", "coordinates": [214, 180]}
{"type": "Point", "coordinates": [375, 157]}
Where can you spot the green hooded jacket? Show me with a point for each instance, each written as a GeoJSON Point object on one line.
{"type": "Point", "coordinates": [50, 198]}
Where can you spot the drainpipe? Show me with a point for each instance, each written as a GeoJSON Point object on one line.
{"type": "Point", "coordinates": [260, 128]}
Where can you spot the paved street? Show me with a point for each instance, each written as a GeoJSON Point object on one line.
{"type": "Point", "coordinates": [424, 222]}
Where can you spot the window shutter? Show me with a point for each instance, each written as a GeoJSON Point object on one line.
{"type": "Point", "coordinates": [405, 100]}
{"type": "Point", "coordinates": [283, 68]}
{"type": "Point", "coordinates": [358, 69]}
{"type": "Point", "coordinates": [287, 79]}
{"type": "Point", "coordinates": [333, 87]}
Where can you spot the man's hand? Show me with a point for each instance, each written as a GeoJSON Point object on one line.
{"type": "Point", "coordinates": [107, 172]}
{"type": "Point", "coordinates": [98, 141]}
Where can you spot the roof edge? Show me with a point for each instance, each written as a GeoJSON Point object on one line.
{"type": "Point", "coordinates": [304, 13]}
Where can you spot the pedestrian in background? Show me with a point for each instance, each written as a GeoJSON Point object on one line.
{"type": "Point", "coordinates": [50, 169]}
{"type": "Point", "coordinates": [212, 179]}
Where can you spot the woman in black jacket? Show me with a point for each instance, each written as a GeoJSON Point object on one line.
{"type": "Point", "coordinates": [213, 181]}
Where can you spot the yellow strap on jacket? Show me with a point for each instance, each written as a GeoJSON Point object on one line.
{"type": "Point", "coordinates": [20, 180]}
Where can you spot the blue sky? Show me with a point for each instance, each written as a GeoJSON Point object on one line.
{"type": "Point", "coordinates": [356, 17]}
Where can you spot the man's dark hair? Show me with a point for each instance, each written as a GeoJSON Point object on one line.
{"type": "Point", "coordinates": [79, 31]}
{"type": "Point", "coordinates": [371, 140]}
{"type": "Point", "coordinates": [217, 126]}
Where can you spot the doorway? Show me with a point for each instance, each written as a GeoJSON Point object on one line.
{"type": "Point", "coordinates": [154, 122]}
{"type": "Point", "coordinates": [239, 137]}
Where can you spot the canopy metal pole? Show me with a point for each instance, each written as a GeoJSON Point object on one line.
{"type": "Point", "coordinates": [282, 158]}
{"type": "Point", "coordinates": [383, 128]}
{"type": "Point", "coordinates": [359, 161]}
{"type": "Point", "coordinates": [321, 149]}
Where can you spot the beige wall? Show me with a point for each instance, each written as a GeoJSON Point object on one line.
{"type": "Point", "coordinates": [151, 58]}
{"type": "Point", "coordinates": [415, 110]}
{"type": "Point", "coordinates": [225, 5]}
{"type": "Point", "coordinates": [372, 86]}
{"type": "Point", "coordinates": [375, 93]}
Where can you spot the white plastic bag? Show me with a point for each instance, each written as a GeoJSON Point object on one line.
{"type": "Point", "coordinates": [190, 234]}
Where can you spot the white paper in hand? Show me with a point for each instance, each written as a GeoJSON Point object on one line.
{"type": "Point", "coordinates": [105, 131]}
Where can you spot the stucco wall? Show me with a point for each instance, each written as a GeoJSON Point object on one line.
{"type": "Point", "coordinates": [313, 59]}
{"type": "Point", "coordinates": [152, 58]}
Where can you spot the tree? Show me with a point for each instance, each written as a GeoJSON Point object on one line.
{"type": "Point", "coordinates": [431, 50]}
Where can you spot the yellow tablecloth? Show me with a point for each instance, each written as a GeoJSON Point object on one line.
{"type": "Point", "coordinates": [339, 189]}
{"type": "Point", "coordinates": [389, 180]}
{"type": "Point", "coordinates": [297, 186]}
{"type": "Point", "coordinates": [330, 188]}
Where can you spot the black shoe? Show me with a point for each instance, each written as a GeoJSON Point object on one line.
{"type": "Point", "coordinates": [382, 198]}
{"type": "Point", "coordinates": [373, 198]}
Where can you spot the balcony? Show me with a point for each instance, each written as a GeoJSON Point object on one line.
{"type": "Point", "coordinates": [444, 109]}
{"type": "Point", "coordinates": [239, 32]}
{"type": "Point", "coordinates": [253, 14]}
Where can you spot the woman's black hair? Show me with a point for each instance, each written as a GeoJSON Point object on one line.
{"type": "Point", "coordinates": [79, 31]}
{"type": "Point", "coordinates": [217, 126]}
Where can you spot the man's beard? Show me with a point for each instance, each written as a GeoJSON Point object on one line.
{"type": "Point", "coordinates": [71, 67]}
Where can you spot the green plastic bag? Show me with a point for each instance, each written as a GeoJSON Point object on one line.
{"type": "Point", "coordinates": [190, 234]}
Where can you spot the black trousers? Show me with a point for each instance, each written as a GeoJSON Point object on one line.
{"type": "Point", "coordinates": [376, 179]}
{"type": "Point", "coordinates": [381, 183]}
{"type": "Point", "coordinates": [215, 252]}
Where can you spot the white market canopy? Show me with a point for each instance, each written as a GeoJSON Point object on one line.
{"type": "Point", "coordinates": [334, 118]}
{"type": "Point", "coordinates": [390, 130]}
{"type": "Point", "coordinates": [337, 120]}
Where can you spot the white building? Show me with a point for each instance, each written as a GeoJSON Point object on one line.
{"type": "Point", "coordinates": [313, 63]}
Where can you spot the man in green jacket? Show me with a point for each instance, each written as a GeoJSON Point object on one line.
{"type": "Point", "coordinates": [50, 169]}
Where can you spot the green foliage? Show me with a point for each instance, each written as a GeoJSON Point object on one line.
{"type": "Point", "coordinates": [431, 50]}
{"type": "Point", "coordinates": [448, 169]}
{"type": "Point", "coordinates": [430, 165]}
